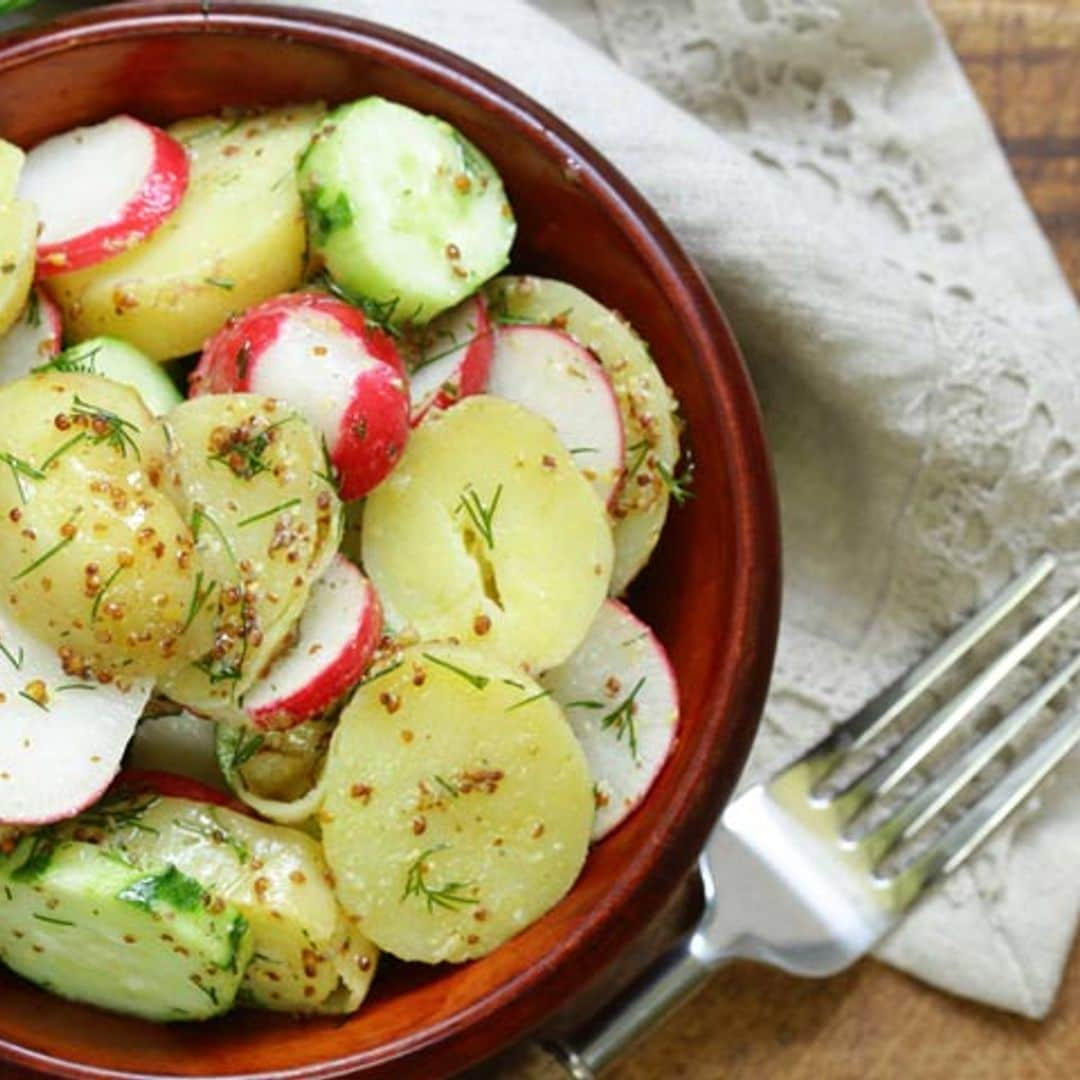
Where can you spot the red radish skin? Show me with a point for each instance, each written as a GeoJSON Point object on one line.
{"type": "Point", "coordinates": [454, 358]}
{"type": "Point", "coordinates": [155, 196]}
{"type": "Point", "coordinates": [324, 357]}
{"type": "Point", "coordinates": [34, 340]}
{"type": "Point", "coordinates": [621, 698]}
{"type": "Point", "coordinates": [174, 786]}
{"type": "Point", "coordinates": [553, 375]}
{"type": "Point", "coordinates": [317, 672]}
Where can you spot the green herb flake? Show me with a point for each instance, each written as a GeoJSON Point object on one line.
{"type": "Point", "coordinates": [108, 427]}
{"type": "Point", "coordinates": [272, 512]}
{"type": "Point", "coordinates": [622, 719]}
{"type": "Point", "coordinates": [529, 700]}
{"type": "Point", "coordinates": [170, 888]}
{"type": "Point", "coordinates": [478, 682]}
{"type": "Point", "coordinates": [482, 517]}
{"type": "Point", "coordinates": [450, 897]}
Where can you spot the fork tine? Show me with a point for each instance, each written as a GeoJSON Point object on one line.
{"type": "Point", "coordinates": [976, 825]}
{"type": "Point", "coordinates": [931, 799]}
{"type": "Point", "coordinates": [878, 713]}
{"type": "Point", "coordinates": [918, 744]}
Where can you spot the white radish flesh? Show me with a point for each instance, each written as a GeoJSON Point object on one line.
{"type": "Point", "coordinates": [619, 693]}
{"type": "Point", "coordinates": [337, 636]}
{"type": "Point", "coordinates": [454, 355]}
{"type": "Point", "coordinates": [34, 340]}
{"type": "Point", "coordinates": [128, 178]}
{"type": "Point", "coordinates": [549, 373]}
{"type": "Point", "coordinates": [61, 738]}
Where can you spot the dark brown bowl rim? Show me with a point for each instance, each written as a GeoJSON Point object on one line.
{"type": "Point", "coordinates": [737, 692]}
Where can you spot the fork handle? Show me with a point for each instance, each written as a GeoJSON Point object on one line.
{"type": "Point", "coordinates": [668, 984]}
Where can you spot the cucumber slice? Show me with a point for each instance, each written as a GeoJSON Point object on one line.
{"type": "Point", "coordinates": [275, 877]}
{"type": "Point", "coordinates": [403, 210]}
{"type": "Point", "coordinates": [87, 925]}
{"type": "Point", "coordinates": [123, 363]}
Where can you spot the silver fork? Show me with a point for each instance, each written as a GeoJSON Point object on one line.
{"type": "Point", "coordinates": [789, 879]}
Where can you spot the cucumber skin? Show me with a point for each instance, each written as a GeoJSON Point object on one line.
{"type": "Point", "coordinates": [150, 943]}
{"type": "Point", "coordinates": [115, 359]}
{"type": "Point", "coordinates": [380, 275]}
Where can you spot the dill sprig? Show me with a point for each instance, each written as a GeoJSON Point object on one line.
{"type": "Point", "coordinates": [62, 449]}
{"type": "Point", "coordinates": [199, 517]}
{"type": "Point", "coordinates": [220, 283]}
{"type": "Point", "coordinates": [274, 510]}
{"type": "Point", "coordinates": [199, 596]}
{"type": "Point", "coordinates": [123, 809]}
{"type": "Point", "coordinates": [20, 468]}
{"type": "Point", "coordinates": [77, 360]}
{"type": "Point", "coordinates": [15, 661]}
{"type": "Point", "coordinates": [33, 700]}
{"type": "Point", "coordinates": [482, 517]}
{"type": "Point", "coordinates": [243, 453]}
{"type": "Point", "coordinates": [529, 700]}
{"type": "Point", "coordinates": [41, 560]}
{"type": "Point", "coordinates": [379, 674]}
{"type": "Point", "coordinates": [96, 606]}
{"type": "Point", "coordinates": [380, 312]}
{"type": "Point", "coordinates": [622, 718]}
{"type": "Point", "coordinates": [679, 485]}
{"type": "Point", "coordinates": [640, 451]}
{"type": "Point", "coordinates": [451, 789]}
{"type": "Point", "coordinates": [450, 897]}
{"type": "Point", "coordinates": [478, 682]}
{"type": "Point", "coordinates": [108, 427]}
{"type": "Point", "coordinates": [247, 746]}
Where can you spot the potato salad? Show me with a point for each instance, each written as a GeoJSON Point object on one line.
{"type": "Point", "coordinates": [314, 521]}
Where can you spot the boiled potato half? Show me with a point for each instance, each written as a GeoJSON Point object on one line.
{"type": "Point", "coordinates": [487, 533]}
{"type": "Point", "coordinates": [252, 487]}
{"type": "Point", "coordinates": [458, 805]}
{"type": "Point", "coordinates": [646, 404]}
{"type": "Point", "coordinates": [237, 238]}
{"type": "Point", "coordinates": [97, 560]}
{"type": "Point", "coordinates": [18, 239]}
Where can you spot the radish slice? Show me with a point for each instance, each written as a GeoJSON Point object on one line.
{"type": "Point", "coordinates": [324, 358]}
{"type": "Point", "coordinates": [101, 190]}
{"type": "Point", "coordinates": [454, 354]}
{"type": "Point", "coordinates": [337, 637]}
{"type": "Point", "coordinates": [34, 340]}
{"type": "Point", "coordinates": [175, 786]}
{"type": "Point", "coordinates": [619, 693]}
{"type": "Point", "coordinates": [61, 739]}
{"type": "Point", "coordinates": [549, 373]}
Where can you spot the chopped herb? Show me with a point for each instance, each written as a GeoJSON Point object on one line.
{"type": "Point", "coordinates": [63, 449]}
{"type": "Point", "coordinates": [244, 454]}
{"type": "Point", "coordinates": [94, 608]}
{"type": "Point", "coordinates": [16, 662]}
{"type": "Point", "coordinates": [198, 517]}
{"type": "Point", "coordinates": [121, 809]}
{"type": "Point", "coordinates": [33, 309]}
{"type": "Point", "coordinates": [199, 597]}
{"type": "Point", "coordinates": [482, 517]}
{"type": "Point", "coordinates": [476, 681]}
{"type": "Point", "coordinates": [451, 349]}
{"type": "Point", "coordinates": [169, 888]}
{"type": "Point", "coordinates": [449, 788]}
{"type": "Point", "coordinates": [325, 213]}
{"type": "Point", "coordinates": [77, 360]}
{"type": "Point", "coordinates": [76, 686]}
{"type": "Point", "coordinates": [42, 559]}
{"type": "Point", "coordinates": [247, 746]}
{"type": "Point", "coordinates": [450, 896]}
{"type": "Point", "coordinates": [49, 919]}
{"type": "Point", "coordinates": [621, 719]}
{"type": "Point", "coordinates": [585, 705]}
{"type": "Point", "coordinates": [679, 485]}
{"type": "Point", "coordinates": [514, 683]}
{"type": "Point", "coordinates": [42, 849]}
{"type": "Point", "coordinates": [195, 981]}
{"type": "Point", "coordinates": [19, 469]}
{"type": "Point", "coordinates": [380, 312]}
{"type": "Point", "coordinates": [108, 427]}
{"type": "Point", "coordinates": [220, 669]}
{"type": "Point", "coordinates": [34, 701]}
{"type": "Point", "coordinates": [328, 473]}
{"type": "Point", "coordinates": [379, 674]}
{"type": "Point", "coordinates": [269, 513]}
{"type": "Point", "coordinates": [585, 450]}
{"type": "Point", "coordinates": [220, 283]}
{"type": "Point", "coordinates": [529, 700]}
{"type": "Point", "coordinates": [640, 450]}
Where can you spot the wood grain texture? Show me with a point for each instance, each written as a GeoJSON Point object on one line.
{"type": "Point", "coordinates": [1023, 58]}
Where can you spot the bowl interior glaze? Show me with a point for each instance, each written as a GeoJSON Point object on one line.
{"type": "Point", "coordinates": [711, 591]}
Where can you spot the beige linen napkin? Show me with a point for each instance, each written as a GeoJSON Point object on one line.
{"type": "Point", "coordinates": [911, 338]}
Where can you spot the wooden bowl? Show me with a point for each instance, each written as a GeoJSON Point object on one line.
{"type": "Point", "coordinates": [712, 591]}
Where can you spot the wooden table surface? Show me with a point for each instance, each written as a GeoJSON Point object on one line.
{"type": "Point", "coordinates": [1023, 57]}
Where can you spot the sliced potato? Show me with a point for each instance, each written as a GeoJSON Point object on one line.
{"type": "Point", "coordinates": [237, 238]}
{"type": "Point", "coordinates": [97, 561]}
{"type": "Point", "coordinates": [647, 405]}
{"type": "Point", "coordinates": [275, 877]}
{"type": "Point", "coordinates": [18, 238]}
{"type": "Point", "coordinates": [458, 805]}
{"type": "Point", "coordinates": [488, 534]}
{"type": "Point", "coordinates": [266, 520]}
